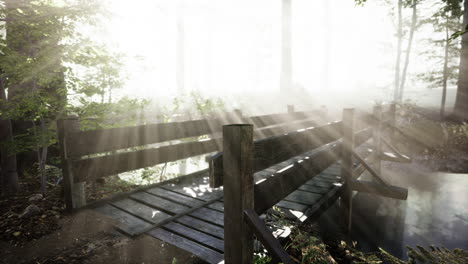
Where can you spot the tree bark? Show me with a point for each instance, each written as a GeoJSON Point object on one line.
{"type": "Point", "coordinates": [414, 19]}
{"type": "Point", "coordinates": [398, 57]}
{"type": "Point", "coordinates": [461, 103]}
{"type": "Point", "coordinates": [445, 71]}
{"type": "Point", "coordinates": [8, 173]}
{"type": "Point", "coordinates": [286, 53]}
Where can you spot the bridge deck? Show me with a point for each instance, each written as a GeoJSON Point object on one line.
{"type": "Point", "coordinates": [189, 214]}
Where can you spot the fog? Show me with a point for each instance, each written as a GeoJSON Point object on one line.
{"type": "Point", "coordinates": [341, 54]}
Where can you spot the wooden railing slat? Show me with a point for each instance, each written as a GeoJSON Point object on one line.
{"type": "Point", "coordinates": [94, 168]}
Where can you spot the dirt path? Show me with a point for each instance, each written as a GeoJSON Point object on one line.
{"type": "Point", "coordinates": [88, 237]}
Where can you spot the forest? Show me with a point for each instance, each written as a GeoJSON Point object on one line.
{"type": "Point", "coordinates": [285, 131]}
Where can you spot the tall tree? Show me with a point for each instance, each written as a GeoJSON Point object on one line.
{"type": "Point", "coordinates": [286, 52]}
{"type": "Point", "coordinates": [413, 26]}
{"type": "Point", "coordinates": [461, 102]}
{"type": "Point", "coordinates": [399, 44]}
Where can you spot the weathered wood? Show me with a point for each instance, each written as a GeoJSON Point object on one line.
{"type": "Point", "coordinates": [347, 167]}
{"type": "Point", "coordinates": [292, 205]}
{"type": "Point", "coordinates": [103, 140]}
{"type": "Point", "coordinates": [209, 215]}
{"type": "Point", "coordinates": [271, 131]}
{"type": "Point", "coordinates": [303, 197]}
{"type": "Point", "coordinates": [159, 203]}
{"type": "Point", "coordinates": [275, 119]}
{"type": "Point", "coordinates": [202, 226]}
{"type": "Point", "coordinates": [238, 192]}
{"type": "Point", "coordinates": [75, 196]}
{"type": "Point", "coordinates": [195, 235]}
{"type": "Point", "coordinates": [373, 173]}
{"type": "Point", "coordinates": [216, 170]}
{"type": "Point", "coordinates": [94, 168]}
{"type": "Point", "coordinates": [375, 188]}
{"type": "Point", "coordinates": [270, 151]}
{"type": "Point", "coordinates": [376, 138]}
{"type": "Point", "coordinates": [288, 180]}
{"type": "Point", "coordinates": [392, 121]}
{"type": "Point", "coordinates": [126, 222]}
{"type": "Point", "coordinates": [175, 197]}
{"type": "Point", "coordinates": [145, 212]}
{"type": "Point", "coordinates": [388, 156]}
{"type": "Point", "coordinates": [266, 237]}
{"type": "Point", "coordinates": [209, 255]}
{"type": "Point", "coordinates": [324, 203]}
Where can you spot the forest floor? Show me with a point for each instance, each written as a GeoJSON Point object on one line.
{"type": "Point", "coordinates": [36, 229]}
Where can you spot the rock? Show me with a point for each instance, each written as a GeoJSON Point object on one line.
{"type": "Point", "coordinates": [35, 197]}
{"type": "Point", "coordinates": [31, 210]}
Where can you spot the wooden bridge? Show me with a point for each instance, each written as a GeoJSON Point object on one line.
{"type": "Point", "coordinates": [299, 163]}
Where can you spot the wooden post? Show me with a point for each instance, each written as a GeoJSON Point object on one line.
{"type": "Point", "coordinates": [377, 130]}
{"type": "Point", "coordinates": [392, 122]}
{"type": "Point", "coordinates": [290, 109]}
{"type": "Point", "coordinates": [347, 166]}
{"type": "Point", "coordinates": [238, 192]}
{"type": "Point", "coordinates": [75, 196]}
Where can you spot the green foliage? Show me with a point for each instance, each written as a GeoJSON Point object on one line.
{"type": "Point", "coordinates": [308, 248]}
{"type": "Point", "coordinates": [261, 259]}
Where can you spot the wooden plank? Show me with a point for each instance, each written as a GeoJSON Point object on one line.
{"type": "Point", "coordinates": [209, 215]}
{"type": "Point", "coordinates": [175, 197]}
{"type": "Point", "coordinates": [303, 197]}
{"type": "Point", "coordinates": [94, 168]}
{"type": "Point", "coordinates": [198, 189]}
{"type": "Point", "coordinates": [271, 131]}
{"type": "Point", "coordinates": [375, 188]}
{"type": "Point", "coordinates": [218, 206]}
{"type": "Point", "coordinates": [314, 189]}
{"type": "Point", "coordinates": [149, 214]}
{"type": "Point", "coordinates": [160, 203]}
{"type": "Point", "coordinates": [275, 119]}
{"type": "Point", "coordinates": [266, 237]}
{"type": "Point", "coordinates": [290, 179]}
{"type": "Point", "coordinates": [206, 254]}
{"type": "Point", "coordinates": [394, 158]}
{"type": "Point", "coordinates": [316, 182]}
{"type": "Point", "coordinates": [324, 203]}
{"type": "Point", "coordinates": [202, 226]}
{"type": "Point", "coordinates": [369, 168]}
{"type": "Point", "coordinates": [292, 205]}
{"type": "Point", "coordinates": [197, 236]}
{"type": "Point", "coordinates": [271, 151]}
{"type": "Point", "coordinates": [126, 222]}
{"type": "Point", "coordinates": [103, 140]}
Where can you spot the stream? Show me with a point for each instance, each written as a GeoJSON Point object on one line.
{"type": "Point", "coordinates": [436, 213]}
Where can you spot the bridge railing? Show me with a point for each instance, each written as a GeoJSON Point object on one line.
{"type": "Point", "coordinates": [90, 155]}
{"type": "Point", "coordinates": [244, 200]}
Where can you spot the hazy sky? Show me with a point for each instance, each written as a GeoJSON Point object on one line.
{"type": "Point", "coordinates": [234, 45]}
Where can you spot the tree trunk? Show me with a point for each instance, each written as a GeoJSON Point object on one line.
{"type": "Point", "coordinates": [398, 57]}
{"type": "Point", "coordinates": [180, 71]}
{"type": "Point", "coordinates": [414, 19]}
{"type": "Point", "coordinates": [8, 173]}
{"type": "Point", "coordinates": [461, 102]}
{"type": "Point", "coordinates": [445, 71]}
{"type": "Point", "coordinates": [286, 53]}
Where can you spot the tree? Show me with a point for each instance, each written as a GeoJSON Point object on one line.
{"type": "Point", "coordinates": [461, 102]}
{"type": "Point", "coordinates": [413, 26]}
{"type": "Point", "coordinates": [39, 56]}
{"type": "Point", "coordinates": [286, 55]}
{"type": "Point", "coordinates": [444, 53]}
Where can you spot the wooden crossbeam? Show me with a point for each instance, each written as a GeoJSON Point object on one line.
{"type": "Point", "coordinates": [272, 245]}
{"type": "Point", "coordinates": [369, 168]}
{"type": "Point", "coordinates": [398, 156]}
{"type": "Point", "coordinates": [375, 188]}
